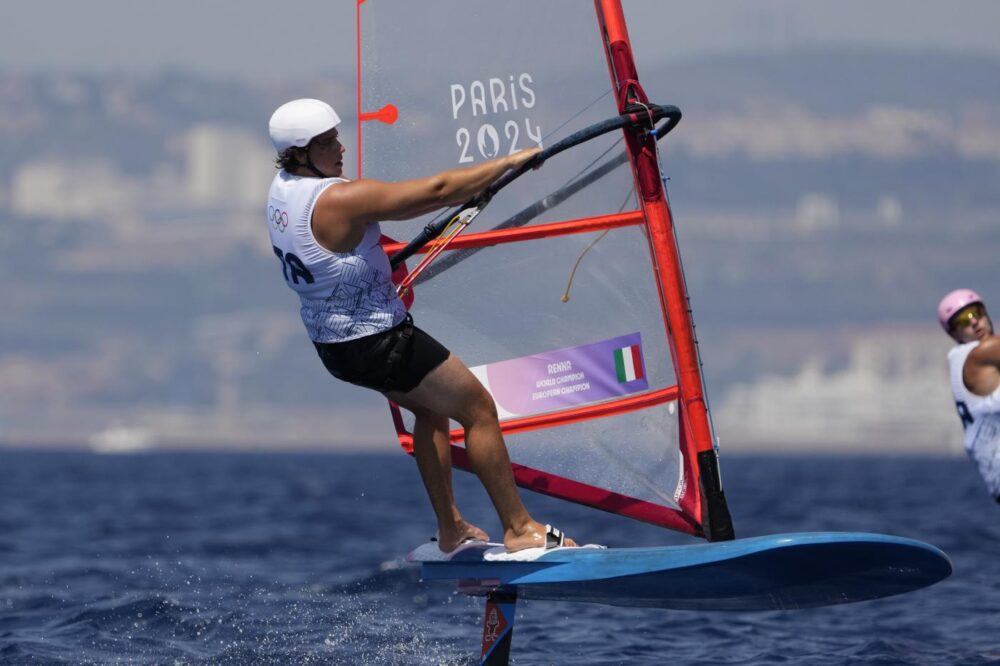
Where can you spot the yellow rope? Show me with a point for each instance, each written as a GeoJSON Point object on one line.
{"type": "Point", "coordinates": [565, 296]}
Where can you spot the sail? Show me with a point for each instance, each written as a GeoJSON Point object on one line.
{"type": "Point", "coordinates": [565, 296]}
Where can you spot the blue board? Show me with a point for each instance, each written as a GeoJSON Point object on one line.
{"type": "Point", "coordinates": [782, 571]}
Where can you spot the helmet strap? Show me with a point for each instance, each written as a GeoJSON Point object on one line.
{"type": "Point", "coordinates": [297, 163]}
{"type": "Point", "coordinates": [312, 167]}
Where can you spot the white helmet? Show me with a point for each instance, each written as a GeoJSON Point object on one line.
{"type": "Point", "coordinates": [295, 123]}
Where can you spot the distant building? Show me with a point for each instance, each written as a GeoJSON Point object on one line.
{"type": "Point", "coordinates": [66, 190]}
{"type": "Point", "coordinates": [893, 395]}
{"type": "Point", "coordinates": [815, 212]}
{"type": "Point", "coordinates": [226, 167]}
{"type": "Point", "coordinates": [889, 210]}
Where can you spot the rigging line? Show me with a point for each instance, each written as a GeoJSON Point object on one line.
{"type": "Point", "coordinates": [578, 113]}
{"type": "Point", "coordinates": [593, 162]}
{"type": "Point", "coordinates": [576, 264]}
{"type": "Point", "coordinates": [596, 159]}
{"type": "Point", "coordinates": [438, 245]}
{"type": "Point", "coordinates": [527, 214]}
{"type": "Point", "coordinates": [628, 195]}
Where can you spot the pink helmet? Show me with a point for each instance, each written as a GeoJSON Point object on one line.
{"type": "Point", "coordinates": [955, 301]}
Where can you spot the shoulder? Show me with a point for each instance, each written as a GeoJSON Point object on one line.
{"type": "Point", "coordinates": [365, 185]}
{"type": "Point", "coordinates": [987, 351]}
{"type": "Point", "coordinates": [330, 192]}
{"type": "Point", "coordinates": [279, 184]}
{"type": "Point", "coordinates": [961, 351]}
{"type": "Point", "coordinates": [349, 190]}
{"type": "Point", "coordinates": [324, 185]}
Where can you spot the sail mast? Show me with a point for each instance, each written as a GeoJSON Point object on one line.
{"type": "Point", "coordinates": [697, 438]}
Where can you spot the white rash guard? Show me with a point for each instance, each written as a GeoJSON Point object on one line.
{"type": "Point", "coordinates": [343, 295]}
{"type": "Point", "coordinates": [981, 419]}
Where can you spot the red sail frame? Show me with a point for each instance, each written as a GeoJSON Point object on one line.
{"type": "Point", "coordinates": [695, 431]}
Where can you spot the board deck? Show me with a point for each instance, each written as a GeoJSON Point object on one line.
{"type": "Point", "coordinates": [776, 572]}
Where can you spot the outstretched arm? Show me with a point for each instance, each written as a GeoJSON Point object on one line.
{"type": "Point", "coordinates": [342, 212]}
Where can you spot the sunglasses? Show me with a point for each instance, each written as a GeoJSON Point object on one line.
{"type": "Point", "coordinates": [964, 317]}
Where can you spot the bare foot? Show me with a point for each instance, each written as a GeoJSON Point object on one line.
{"type": "Point", "coordinates": [450, 537]}
{"type": "Point", "coordinates": [532, 536]}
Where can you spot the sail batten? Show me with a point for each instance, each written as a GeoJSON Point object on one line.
{"type": "Point", "coordinates": [476, 239]}
{"type": "Point", "coordinates": [515, 426]}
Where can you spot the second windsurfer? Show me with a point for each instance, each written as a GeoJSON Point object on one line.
{"type": "Point", "coordinates": [975, 379]}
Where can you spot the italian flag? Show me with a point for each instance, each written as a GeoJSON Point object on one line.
{"type": "Point", "coordinates": [628, 364]}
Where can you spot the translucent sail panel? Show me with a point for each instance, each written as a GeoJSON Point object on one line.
{"type": "Point", "coordinates": [495, 79]}
{"type": "Point", "coordinates": [633, 454]}
{"type": "Point", "coordinates": [506, 302]}
{"type": "Point", "coordinates": [605, 349]}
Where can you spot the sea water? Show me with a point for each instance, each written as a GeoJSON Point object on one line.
{"type": "Point", "coordinates": [170, 558]}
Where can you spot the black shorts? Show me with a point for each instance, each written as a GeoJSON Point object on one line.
{"type": "Point", "coordinates": [394, 360]}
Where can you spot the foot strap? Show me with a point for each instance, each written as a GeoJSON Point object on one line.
{"type": "Point", "coordinates": [554, 538]}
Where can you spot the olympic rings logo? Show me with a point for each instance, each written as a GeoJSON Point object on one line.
{"type": "Point", "coordinates": [278, 218]}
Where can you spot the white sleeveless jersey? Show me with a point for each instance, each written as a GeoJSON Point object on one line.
{"type": "Point", "coordinates": [343, 295]}
{"type": "Point", "coordinates": [981, 419]}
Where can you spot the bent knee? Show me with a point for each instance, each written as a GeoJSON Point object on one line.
{"type": "Point", "coordinates": [434, 420]}
{"type": "Point", "coordinates": [480, 408]}
{"type": "Point", "coordinates": [427, 415]}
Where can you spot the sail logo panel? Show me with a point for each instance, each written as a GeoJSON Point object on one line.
{"type": "Point", "coordinates": [551, 295]}
{"type": "Point", "coordinates": [575, 376]}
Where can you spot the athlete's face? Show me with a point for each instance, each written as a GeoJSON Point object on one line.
{"type": "Point", "coordinates": [971, 323]}
{"type": "Point", "coordinates": [327, 153]}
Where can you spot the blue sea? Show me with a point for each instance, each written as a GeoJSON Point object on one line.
{"type": "Point", "coordinates": [206, 558]}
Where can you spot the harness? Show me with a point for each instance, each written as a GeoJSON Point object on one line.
{"type": "Point", "coordinates": [399, 348]}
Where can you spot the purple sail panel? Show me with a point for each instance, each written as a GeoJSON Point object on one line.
{"type": "Point", "coordinates": [566, 378]}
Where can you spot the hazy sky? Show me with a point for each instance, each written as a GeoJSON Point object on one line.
{"type": "Point", "coordinates": [272, 38]}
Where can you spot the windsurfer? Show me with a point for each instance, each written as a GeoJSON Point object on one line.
{"type": "Point", "coordinates": [325, 230]}
{"type": "Point", "coordinates": [975, 379]}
